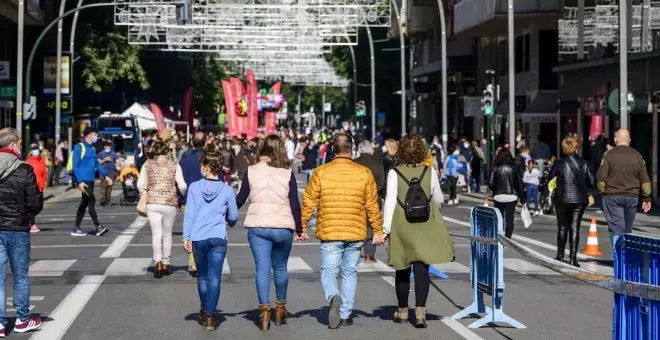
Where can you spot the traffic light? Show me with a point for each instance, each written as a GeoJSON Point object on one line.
{"type": "Point", "coordinates": [360, 109]}
{"type": "Point", "coordinates": [184, 12]}
{"type": "Point", "coordinates": [488, 101]}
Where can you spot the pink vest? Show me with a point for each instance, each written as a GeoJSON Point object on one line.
{"type": "Point", "coordinates": [269, 198]}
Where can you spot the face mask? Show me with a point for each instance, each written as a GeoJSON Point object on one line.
{"type": "Point", "coordinates": [456, 153]}
{"type": "Point", "coordinates": [108, 150]}
{"type": "Point", "coordinates": [35, 153]}
{"type": "Point", "coordinates": [41, 148]}
{"type": "Point", "coordinates": [95, 139]}
{"type": "Point", "coordinates": [518, 139]}
{"type": "Point", "coordinates": [466, 145]}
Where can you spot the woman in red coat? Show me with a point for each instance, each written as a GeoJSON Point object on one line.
{"type": "Point", "coordinates": [41, 172]}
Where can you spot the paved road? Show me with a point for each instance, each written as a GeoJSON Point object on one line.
{"type": "Point", "coordinates": [103, 288]}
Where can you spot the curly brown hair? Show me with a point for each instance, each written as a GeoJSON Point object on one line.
{"type": "Point", "coordinates": [212, 159]}
{"type": "Point", "coordinates": [273, 148]}
{"type": "Point", "coordinates": [158, 148]}
{"type": "Point", "coordinates": [412, 150]}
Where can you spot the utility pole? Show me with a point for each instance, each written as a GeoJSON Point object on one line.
{"type": "Point", "coordinates": [58, 80]}
{"type": "Point", "coordinates": [402, 49]}
{"type": "Point", "coordinates": [323, 106]}
{"type": "Point", "coordinates": [512, 80]}
{"type": "Point", "coordinates": [19, 68]}
{"type": "Point", "coordinates": [443, 57]}
{"type": "Point", "coordinates": [373, 84]}
{"type": "Point", "coordinates": [623, 63]}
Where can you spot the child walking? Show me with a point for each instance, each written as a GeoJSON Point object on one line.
{"type": "Point", "coordinates": [531, 179]}
{"type": "Point", "coordinates": [209, 203]}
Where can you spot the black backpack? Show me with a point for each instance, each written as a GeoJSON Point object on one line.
{"type": "Point", "coordinates": [416, 206]}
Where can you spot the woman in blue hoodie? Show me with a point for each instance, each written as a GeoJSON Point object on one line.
{"type": "Point", "coordinates": [209, 204]}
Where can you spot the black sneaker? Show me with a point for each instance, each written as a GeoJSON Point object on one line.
{"type": "Point", "coordinates": [100, 230]}
{"type": "Point", "coordinates": [346, 322]}
{"type": "Point", "coordinates": [193, 273]}
{"type": "Point", "coordinates": [333, 313]}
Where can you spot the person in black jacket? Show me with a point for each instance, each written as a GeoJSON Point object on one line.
{"type": "Point", "coordinates": [574, 179]}
{"type": "Point", "coordinates": [505, 182]}
{"type": "Point", "coordinates": [19, 199]}
{"type": "Point", "coordinates": [368, 160]}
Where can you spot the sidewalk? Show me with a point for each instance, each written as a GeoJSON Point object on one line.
{"type": "Point", "coordinates": [647, 221]}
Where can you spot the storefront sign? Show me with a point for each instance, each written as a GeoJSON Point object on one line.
{"type": "Point", "coordinates": [638, 103]}
{"type": "Point", "coordinates": [50, 75]}
{"type": "Point", "coordinates": [4, 70]}
{"type": "Point", "coordinates": [538, 118]}
{"type": "Point", "coordinates": [7, 91]}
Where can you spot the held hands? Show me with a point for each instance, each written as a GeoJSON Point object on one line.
{"type": "Point", "coordinates": [379, 240]}
{"type": "Point", "coordinates": [108, 180]}
{"type": "Point", "coordinates": [187, 246]}
{"type": "Point", "coordinates": [82, 187]}
{"type": "Point", "coordinates": [302, 237]}
{"type": "Point", "coordinates": [646, 207]}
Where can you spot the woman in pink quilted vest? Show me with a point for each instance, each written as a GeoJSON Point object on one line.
{"type": "Point", "coordinates": [272, 218]}
{"type": "Point", "coordinates": [159, 179]}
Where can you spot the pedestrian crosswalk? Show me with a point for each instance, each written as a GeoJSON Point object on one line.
{"type": "Point", "coordinates": [142, 266]}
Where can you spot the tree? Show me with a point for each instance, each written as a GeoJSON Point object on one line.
{"type": "Point", "coordinates": [207, 77]}
{"type": "Point", "coordinates": [108, 58]}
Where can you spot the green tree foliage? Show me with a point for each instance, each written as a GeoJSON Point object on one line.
{"type": "Point", "coordinates": [109, 58]}
{"type": "Point", "coordinates": [207, 76]}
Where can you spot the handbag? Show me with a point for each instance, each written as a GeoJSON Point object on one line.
{"type": "Point", "coordinates": [582, 181]}
{"type": "Point", "coordinates": [526, 217]}
{"type": "Point", "coordinates": [142, 203]}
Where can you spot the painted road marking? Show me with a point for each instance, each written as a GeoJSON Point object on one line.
{"type": "Point", "coordinates": [374, 267]}
{"type": "Point", "coordinates": [43, 268]}
{"type": "Point", "coordinates": [68, 310]}
{"type": "Point", "coordinates": [296, 264]}
{"type": "Point", "coordinates": [124, 239]}
{"type": "Point", "coordinates": [72, 245]}
{"type": "Point", "coordinates": [524, 267]}
{"type": "Point", "coordinates": [452, 268]}
{"type": "Point", "coordinates": [129, 266]}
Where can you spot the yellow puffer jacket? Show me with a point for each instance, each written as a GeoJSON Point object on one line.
{"type": "Point", "coordinates": [345, 193]}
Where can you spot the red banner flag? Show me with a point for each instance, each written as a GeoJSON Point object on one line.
{"type": "Point", "coordinates": [277, 87]}
{"type": "Point", "coordinates": [158, 115]}
{"type": "Point", "coordinates": [270, 123]}
{"type": "Point", "coordinates": [239, 92]}
{"type": "Point", "coordinates": [230, 107]}
{"type": "Point", "coordinates": [253, 113]}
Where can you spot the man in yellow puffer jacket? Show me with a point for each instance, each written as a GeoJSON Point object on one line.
{"type": "Point", "coordinates": [346, 195]}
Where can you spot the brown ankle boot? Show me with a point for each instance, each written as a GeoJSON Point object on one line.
{"type": "Point", "coordinates": [209, 322]}
{"type": "Point", "coordinates": [280, 312]}
{"type": "Point", "coordinates": [420, 317]}
{"type": "Point", "coordinates": [166, 269]}
{"type": "Point", "coordinates": [401, 315]}
{"type": "Point", "coordinates": [264, 317]}
{"type": "Point", "coordinates": [158, 270]}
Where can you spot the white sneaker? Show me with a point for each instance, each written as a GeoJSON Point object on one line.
{"type": "Point", "coordinates": [537, 213]}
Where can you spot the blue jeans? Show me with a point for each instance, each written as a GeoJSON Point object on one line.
{"type": "Point", "coordinates": [345, 256]}
{"type": "Point", "coordinates": [533, 195]}
{"type": "Point", "coordinates": [209, 257]}
{"type": "Point", "coordinates": [15, 247]}
{"type": "Point", "coordinates": [271, 248]}
{"type": "Point", "coordinates": [620, 214]}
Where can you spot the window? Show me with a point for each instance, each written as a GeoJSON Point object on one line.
{"type": "Point", "coordinates": [522, 53]}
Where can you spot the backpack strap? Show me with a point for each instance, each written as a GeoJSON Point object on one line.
{"type": "Point", "coordinates": [401, 175]}
{"type": "Point", "coordinates": [408, 183]}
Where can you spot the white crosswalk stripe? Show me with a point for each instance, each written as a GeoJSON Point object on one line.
{"type": "Point", "coordinates": [10, 302]}
{"type": "Point", "coordinates": [374, 267]}
{"type": "Point", "coordinates": [296, 264]}
{"type": "Point", "coordinates": [524, 267]}
{"type": "Point", "coordinates": [452, 268]}
{"type": "Point", "coordinates": [129, 266]}
{"type": "Point", "coordinates": [50, 267]}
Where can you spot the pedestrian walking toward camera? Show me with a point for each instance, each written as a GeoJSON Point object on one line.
{"type": "Point", "coordinates": [85, 165]}
{"type": "Point", "coordinates": [19, 199]}
{"type": "Point", "coordinates": [413, 225]}
{"type": "Point", "coordinates": [38, 164]}
{"type": "Point", "coordinates": [272, 218]}
{"type": "Point", "coordinates": [506, 184]}
{"type": "Point", "coordinates": [210, 205]}
{"type": "Point", "coordinates": [366, 159]}
{"type": "Point", "coordinates": [622, 179]}
{"type": "Point", "coordinates": [159, 180]}
{"type": "Point", "coordinates": [531, 180]}
{"type": "Point", "coordinates": [571, 198]}
{"type": "Point", "coordinates": [346, 195]}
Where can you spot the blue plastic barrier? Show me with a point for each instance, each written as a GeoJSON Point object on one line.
{"type": "Point", "coordinates": [636, 259]}
{"type": "Point", "coordinates": [486, 270]}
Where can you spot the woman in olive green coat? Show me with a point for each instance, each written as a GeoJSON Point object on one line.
{"type": "Point", "coordinates": [414, 242]}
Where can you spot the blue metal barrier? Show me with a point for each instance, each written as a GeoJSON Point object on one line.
{"type": "Point", "coordinates": [636, 259]}
{"type": "Point", "coordinates": [486, 270]}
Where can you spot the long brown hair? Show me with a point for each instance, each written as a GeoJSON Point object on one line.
{"type": "Point", "coordinates": [273, 148]}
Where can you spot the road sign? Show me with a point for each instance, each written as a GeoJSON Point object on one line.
{"type": "Point", "coordinates": [7, 91]}
{"type": "Point", "coordinates": [30, 109]}
{"type": "Point", "coordinates": [327, 107]}
{"type": "Point", "coordinates": [4, 70]}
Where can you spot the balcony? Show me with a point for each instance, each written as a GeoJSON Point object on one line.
{"type": "Point", "coordinates": [488, 17]}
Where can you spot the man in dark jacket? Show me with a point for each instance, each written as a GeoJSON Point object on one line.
{"type": "Point", "coordinates": [368, 160]}
{"type": "Point", "coordinates": [19, 199]}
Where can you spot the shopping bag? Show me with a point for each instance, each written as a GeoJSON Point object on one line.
{"type": "Point", "coordinates": [526, 216]}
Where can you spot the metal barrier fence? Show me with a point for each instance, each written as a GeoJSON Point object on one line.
{"type": "Point", "coordinates": [637, 260]}
{"type": "Point", "coordinates": [486, 269]}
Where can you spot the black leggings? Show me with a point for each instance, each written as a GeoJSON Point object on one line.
{"type": "Point", "coordinates": [507, 209]}
{"type": "Point", "coordinates": [422, 283]}
{"type": "Point", "coordinates": [569, 218]}
{"type": "Point", "coordinates": [88, 200]}
{"type": "Point", "coordinates": [452, 181]}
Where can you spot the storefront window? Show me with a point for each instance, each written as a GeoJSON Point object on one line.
{"type": "Point", "coordinates": [600, 22]}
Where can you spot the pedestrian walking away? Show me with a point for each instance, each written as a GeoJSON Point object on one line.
{"type": "Point", "coordinates": [208, 204]}
{"type": "Point", "coordinates": [272, 218]}
{"type": "Point", "coordinates": [451, 173]}
{"type": "Point", "coordinates": [574, 180]}
{"type": "Point", "coordinates": [366, 159]}
{"type": "Point", "coordinates": [622, 178]}
{"type": "Point", "coordinates": [85, 166]}
{"type": "Point", "coordinates": [19, 199]}
{"type": "Point", "coordinates": [108, 160]}
{"type": "Point", "coordinates": [38, 164]}
{"type": "Point", "coordinates": [414, 242]}
{"type": "Point", "coordinates": [346, 195]}
{"type": "Point", "coordinates": [505, 183]}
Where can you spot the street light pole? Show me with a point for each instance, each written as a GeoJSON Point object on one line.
{"type": "Point", "coordinates": [19, 67]}
{"type": "Point", "coordinates": [623, 63]}
{"type": "Point", "coordinates": [373, 84]}
{"type": "Point", "coordinates": [354, 76]}
{"type": "Point", "coordinates": [72, 43]}
{"type": "Point", "coordinates": [402, 50]}
{"type": "Point", "coordinates": [443, 58]}
{"type": "Point", "coordinates": [512, 80]}
{"type": "Point", "coordinates": [58, 80]}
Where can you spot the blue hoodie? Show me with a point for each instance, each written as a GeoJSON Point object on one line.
{"type": "Point", "coordinates": [451, 168]}
{"type": "Point", "coordinates": [209, 203]}
{"type": "Point", "coordinates": [85, 169]}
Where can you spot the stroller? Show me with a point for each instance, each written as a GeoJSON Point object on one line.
{"type": "Point", "coordinates": [130, 189]}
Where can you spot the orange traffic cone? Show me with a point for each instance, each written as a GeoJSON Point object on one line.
{"type": "Point", "coordinates": [486, 202]}
{"type": "Point", "coordinates": [592, 248]}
